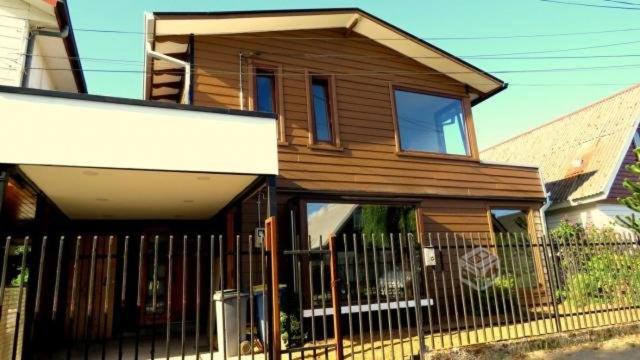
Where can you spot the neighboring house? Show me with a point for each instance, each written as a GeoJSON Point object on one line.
{"type": "Point", "coordinates": [249, 116]}
{"type": "Point", "coordinates": [582, 158]}
{"type": "Point", "coordinates": [37, 48]}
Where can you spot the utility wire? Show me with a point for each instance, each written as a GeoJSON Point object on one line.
{"type": "Point", "coordinates": [175, 71]}
{"type": "Point", "coordinates": [591, 5]}
{"type": "Point", "coordinates": [426, 38]}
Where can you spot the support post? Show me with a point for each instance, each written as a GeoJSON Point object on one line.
{"type": "Point", "coordinates": [335, 297]}
{"type": "Point", "coordinates": [272, 246]}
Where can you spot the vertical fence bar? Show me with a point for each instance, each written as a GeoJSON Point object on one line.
{"type": "Point", "coordinates": [105, 313]}
{"type": "Point", "coordinates": [368, 292]}
{"type": "Point", "coordinates": [406, 296]}
{"type": "Point", "coordinates": [509, 290]}
{"type": "Point", "coordinates": [167, 344]}
{"type": "Point", "coordinates": [577, 261]}
{"type": "Point", "coordinates": [238, 286]}
{"type": "Point", "coordinates": [41, 264]}
{"type": "Point", "coordinates": [478, 294]}
{"type": "Point", "coordinates": [375, 283]}
{"type": "Point", "coordinates": [123, 294]}
{"type": "Point", "coordinates": [298, 279]}
{"type": "Point", "coordinates": [335, 297]}
{"type": "Point", "coordinates": [87, 318]}
{"type": "Point", "coordinates": [515, 283]}
{"type": "Point", "coordinates": [56, 286]}
{"type": "Point", "coordinates": [348, 290]}
{"type": "Point", "coordinates": [5, 261]}
{"type": "Point", "coordinates": [250, 247]}
{"type": "Point", "coordinates": [139, 296]}
{"type": "Point", "coordinates": [540, 283]}
{"type": "Point", "coordinates": [183, 317]}
{"type": "Point", "coordinates": [323, 300]}
{"type": "Point", "coordinates": [438, 256]}
{"type": "Point", "coordinates": [554, 245]}
{"type": "Point", "coordinates": [198, 277]}
{"type": "Point", "coordinates": [396, 291]}
{"type": "Point", "coordinates": [387, 297]}
{"type": "Point", "coordinates": [430, 300]}
{"type": "Point", "coordinates": [498, 247]}
{"type": "Point", "coordinates": [16, 330]}
{"type": "Point", "coordinates": [471, 298]}
{"type": "Point", "coordinates": [416, 296]}
{"type": "Point", "coordinates": [211, 286]}
{"type": "Point", "coordinates": [358, 297]}
{"type": "Point", "coordinates": [460, 284]}
{"type": "Point", "coordinates": [154, 296]}
{"type": "Point", "coordinates": [453, 290]}
{"type": "Point", "coordinates": [222, 343]}
{"type": "Point", "coordinates": [484, 289]}
{"type": "Point", "coordinates": [548, 271]}
{"type": "Point", "coordinates": [526, 245]}
{"type": "Point", "coordinates": [444, 291]}
{"type": "Point", "coordinates": [490, 243]}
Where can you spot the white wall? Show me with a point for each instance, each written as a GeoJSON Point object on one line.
{"type": "Point", "coordinates": [38, 78]}
{"type": "Point", "coordinates": [595, 214]}
{"type": "Point", "coordinates": [46, 130]}
{"type": "Point", "coordinates": [17, 17]}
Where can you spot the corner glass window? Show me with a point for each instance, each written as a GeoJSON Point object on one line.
{"type": "Point", "coordinates": [265, 91]}
{"type": "Point", "coordinates": [430, 123]}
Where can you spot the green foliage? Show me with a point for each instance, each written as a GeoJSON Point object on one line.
{"type": "Point", "coordinates": [25, 277]}
{"type": "Point", "coordinates": [383, 219]}
{"type": "Point", "coordinates": [291, 331]}
{"type": "Point", "coordinates": [497, 298]}
{"type": "Point", "coordinates": [633, 200]}
{"type": "Point", "coordinates": [566, 231]}
{"type": "Point", "coordinates": [374, 219]}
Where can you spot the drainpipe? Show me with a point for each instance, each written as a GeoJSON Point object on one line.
{"type": "Point", "coordinates": [547, 203]}
{"type": "Point", "coordinates": [187, 70]}
{"type": "Point", "coordinates": [31, 43]}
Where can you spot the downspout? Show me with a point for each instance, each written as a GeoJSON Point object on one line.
{"type": "Point", "coordinates": [31, 43]}
{"type": "Point", "coordinates": [187, 70]}
{"type": "Point", "coordinates": [241, 93]}
{"type": "Point", "coordinates": [547, 203]}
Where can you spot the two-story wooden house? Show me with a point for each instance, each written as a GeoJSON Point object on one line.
{"type": "Point", "coordinates": [328, 122]}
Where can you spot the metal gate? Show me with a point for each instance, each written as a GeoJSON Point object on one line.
{"type": "Point", "coordinates": [355, 296]}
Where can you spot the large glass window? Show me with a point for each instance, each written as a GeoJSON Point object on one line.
{"type": "Point", "coordinates": [265, 91]}
{"type": "Point", "coordinates": [509, 221]}
{"type": "Point", "coordinates": [430, 123]}
{"type": "Point", "coordinates": [321, 106]}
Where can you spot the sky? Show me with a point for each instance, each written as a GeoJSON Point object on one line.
{"type": "Point", "coordinates": [548, 76]}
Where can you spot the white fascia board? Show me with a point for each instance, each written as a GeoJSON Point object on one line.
{"type": "Point", "coordinates": [47, 130]}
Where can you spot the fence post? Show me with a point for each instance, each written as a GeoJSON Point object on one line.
{"type": "Point", "coordinates": [335, 298]}
{"type": "Point", "coordinates": [272, 245]}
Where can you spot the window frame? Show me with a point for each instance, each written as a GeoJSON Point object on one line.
{"type": "Point", "coordinates": [469, 136]}
{"type": "Point", "coordinates": [277, 70]}
{"type": "Point", "coordinates": [531, 231]}
{"type": "Point", "coordinates": [314, 143]}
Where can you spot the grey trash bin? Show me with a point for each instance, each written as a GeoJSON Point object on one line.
{"type": "Point", "coordinates": [228, 339]}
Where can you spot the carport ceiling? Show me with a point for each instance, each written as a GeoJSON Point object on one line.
{"type": "Point", "coordinates": [91, 193]}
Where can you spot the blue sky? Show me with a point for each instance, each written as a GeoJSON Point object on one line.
{"type": "Point", "coordinates": [535, 96]}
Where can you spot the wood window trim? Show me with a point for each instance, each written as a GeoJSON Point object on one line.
{"type": "Point", "coordinates": [470, 135]}
{"type": "Point", "coordinates": [335, 145]}
{"type": "Point", "coordinates": [277, 69]}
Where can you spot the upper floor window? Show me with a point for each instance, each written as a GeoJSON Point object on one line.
{"type": "Point", "coordinates": [430, 123]}
{"type": "Point", "coordinates": [321, 108]}
{"type": "Point", "coordinates": [265, 90]}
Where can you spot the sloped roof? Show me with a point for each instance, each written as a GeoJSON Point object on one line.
{"type": "Point", "coordinates": [580, 153]}
{"type": "Point", "coordinates": [163, 24]}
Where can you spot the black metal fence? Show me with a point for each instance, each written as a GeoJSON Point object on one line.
{"type": "Point", "coordinates": [359, 296]}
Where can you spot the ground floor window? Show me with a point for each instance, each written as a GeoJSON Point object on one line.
{"type": "Point", "coordinates": [514, 247]}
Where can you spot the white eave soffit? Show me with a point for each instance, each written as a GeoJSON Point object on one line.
{"type": "Point", "coordinates": [357, 22]}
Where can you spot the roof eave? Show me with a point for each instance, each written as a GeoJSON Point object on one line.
{"type": "Point", "coordinates": [64, 19]}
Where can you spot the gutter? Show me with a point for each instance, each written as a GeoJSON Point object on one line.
{"type": "Point", "coordinates": [64, 21]}
{"type": "Point", "coordinates": [489, 94]}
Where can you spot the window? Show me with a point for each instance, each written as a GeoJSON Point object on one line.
{"type": "Point", "coordinates": [321, 110]}
{"type": "Point", "coordinates": [514, 247]}
{"type": "Point", "coordinates": [430, 123]}
{"type": "Point", "coordinates": [265, 91]}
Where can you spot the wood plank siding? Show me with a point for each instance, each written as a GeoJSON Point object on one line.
{"type": "Point", "coordinates": [364, 71]}
{"type": "Point", "coordinates": [617, 188]}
